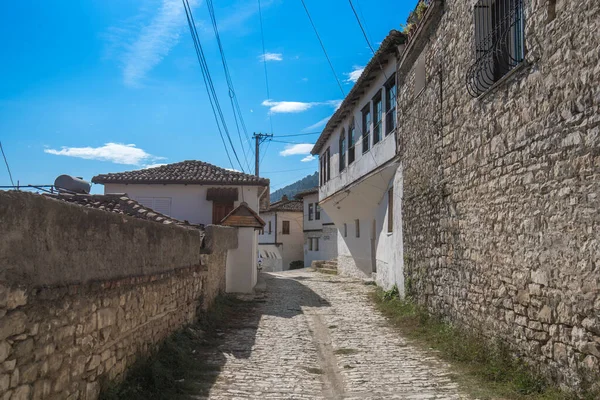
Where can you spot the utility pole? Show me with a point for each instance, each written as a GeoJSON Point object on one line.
{"type": "Point", "coordinates": [258, 139]}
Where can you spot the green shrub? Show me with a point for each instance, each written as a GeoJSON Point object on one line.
{"type": "Point", "coordinates": [297, 264]}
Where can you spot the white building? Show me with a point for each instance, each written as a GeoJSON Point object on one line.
{"type": "Point", "coordinates": [201, 193]}
{"type": "Point", "coordinates": [360, 176]}
{"type": "Point", "coordinates": [282, 237]}
{"type": "Point", "coordinates": [320, 233]}
{"type": "Point", "coordinates": [192, 191]}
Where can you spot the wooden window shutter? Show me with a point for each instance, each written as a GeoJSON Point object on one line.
{"type": "Point", "coordinates": [220, 211]}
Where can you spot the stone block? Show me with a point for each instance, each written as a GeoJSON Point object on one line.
{"type": "Point", "coordinates": [13, 323]}
{"type": "Point", "coordinates": [545, 315]}
{"type": "Point", "coordinates": [540, 277]}
{"type": "Point", "coordinates": [5, 349]}
{"type": "Point", "coordinates": [41, 389]}
{"type": "Point", "coordinates": [560, 353]}
{"type": "Point", "coordinates": [21, 393]}
{"type": "Point", "coordinates": [4, 382]}
{"type": "Point", "coordinates": [106, 317]}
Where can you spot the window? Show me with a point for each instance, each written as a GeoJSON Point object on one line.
{"type": "Point", "coordinates": [342, 150]}
{"type": "Point", "coordinates": [345, 230]}
{"type": "Point", "coordinates": [310, 211]}
{"type": "Point", "coordinates": [420, 75]}
{"type": "Point", "coordinates": [261, 231]}
{"type": "Point", "coordinates": [316, 244]}
{"type": "Point", "coordinates": [351, 142]}
{"type": "Point", "coordinates": [285, 226]}
{"type": "Point", "coordinates": [366, 127]}
{"type": "Point", "coordinates": [357, 226]}
{"type": "Point", "coordinates": [327, 164]}
{"type": "Point", "coordinates": [390, 105]}
{"type": "Point", "coordinates": [377, 114]}
{"type": "Point", "coordinates": [158, 204]}
{"type": "Point", "coordinates": [270, 230]}
{"type": "Point", "coordinates": [499, 43]}
{"type": "Point", "coordinates": [391, 210]}
{"type": "Point", "coordinates": [220, 211]}
{"type": "Point", "coordinates": [310, 244]}
{"type": "Point", "coordinates": [317, 212]}
{"type": "Point", "coordinates": [321, 169]}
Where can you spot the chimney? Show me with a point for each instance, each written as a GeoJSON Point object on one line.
{"type": "Point", "coordinates": [284, 198]}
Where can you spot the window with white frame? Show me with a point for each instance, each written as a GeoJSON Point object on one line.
{"type": "Point", "coordinates": [390, 105]}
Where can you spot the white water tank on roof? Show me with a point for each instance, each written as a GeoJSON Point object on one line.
{"type": "Point", "coordinates": [70, 184]}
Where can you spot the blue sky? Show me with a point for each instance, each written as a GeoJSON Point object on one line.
{"type": "Point", "coordinates": [101, 86]}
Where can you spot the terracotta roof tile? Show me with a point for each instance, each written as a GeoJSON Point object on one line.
{"type": "Point", "coordinates": [189, 172]}
{"type": "Point", "coordinates": [302, 194]}
{"type": "Point", "coordinates": [289, 205]}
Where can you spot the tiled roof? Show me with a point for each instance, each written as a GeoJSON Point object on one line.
{"type": "Point", "coordinates": [300, 195]}
{"type": "Point", "coordinates": [289, 205]}
{"type": "Point", "coordinates": [388, 46]}
{"type": "Point", "coordinates": [119, 204]}
{"type": "Point", "coordinates": [189, 172]}
{"type": "Point", "coordinates": [243, 217]}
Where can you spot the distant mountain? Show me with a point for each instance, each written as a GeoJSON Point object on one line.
{"type": "Point", "coordinates": [308, 182]}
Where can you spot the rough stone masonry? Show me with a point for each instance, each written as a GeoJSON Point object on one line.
{"type": "Point", "coordinates": [84, 292]}
{"type": "Point", "coordinates": [501, 199]}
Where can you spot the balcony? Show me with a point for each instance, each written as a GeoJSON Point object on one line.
{"type": "Point", "coordinates": [364, 164]}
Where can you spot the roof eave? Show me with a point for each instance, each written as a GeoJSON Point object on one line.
{"type": "Point", "coordinates": [388, 46]}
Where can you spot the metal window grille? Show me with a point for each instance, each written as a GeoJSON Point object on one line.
{"type": "Point", "coordinates": [499, 42]}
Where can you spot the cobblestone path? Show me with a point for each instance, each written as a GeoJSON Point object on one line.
{"type": "Point", "coordinates": [314, 336]}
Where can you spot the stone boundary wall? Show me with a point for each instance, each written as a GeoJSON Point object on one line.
{"type": "Point", "coordinates": [501, 194]}
{"type": "Point", "coordinates": [64, 330]}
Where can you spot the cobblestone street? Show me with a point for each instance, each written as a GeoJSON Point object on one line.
{"type": "Point", "coordinates": [315, 336]}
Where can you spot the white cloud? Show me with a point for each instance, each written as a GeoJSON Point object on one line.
{"type": "Point", "coordinates": [271, 57]}
{"type": "Point", "coordinates": [282, 107]}
{"type": "Point", "coordinates": [296, 149]}
{"type": "Point", "coordinates": [308, 158]}
{"type": "Point", "coordinates": [232, 169]}
{"type": "Point", "coordinates": [318, 125]}
{"type": "Point", "coordinates": [117, 153]}
{"type": "Point", "coordinates": [154, 165]}
{"type": "Point", "coordinates": [354, 74]}
{"type": "Point", "coordinates": [287, 106]}
{"type": "Point", "coordinates": [153, 41]}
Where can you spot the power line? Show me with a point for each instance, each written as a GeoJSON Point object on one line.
{"type": "Point", "coordinates": [232, 96]}
{"type": "Point", "coordinates": [288, 170]}
{"type": "Point", "coordinates": [323, 47]}
{"type": "Point", "coordinates": [283, 141]}
{"type": "Point", "coordinates": [210, 88]}
{"type": "Point", "coordinates": [367, 38]}
{"type": "Point", "coordinates": [7, 167]}
{"type": "Point", "coordinates": [299, 134]}
{"type": "Point", "coordinates": [262, 37]}
{"type": "Point", "coordinates": [361, 27]}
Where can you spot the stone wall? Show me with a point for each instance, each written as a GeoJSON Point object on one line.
{"type": "Point", "coordinates": [501, 223]}
{"type": "Point", "coordinates": [64, 330]}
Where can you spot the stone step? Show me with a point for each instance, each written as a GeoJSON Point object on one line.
{"type": "Point", "coordinates": [329, 271]}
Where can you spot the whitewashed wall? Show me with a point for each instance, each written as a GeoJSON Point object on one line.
{"type": "Point", "coordinates": [188, 202]}
{"type": "Point", "coordinates": [241, 270]}
{"type": "Point", "coordinates": [328, 245]}
{"type": "Point", "coordinates": [266, 237]}
{"type": "Point", "coordinates": [314, 224]}
{"type": "Point", "coordinates": [379, 153]}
